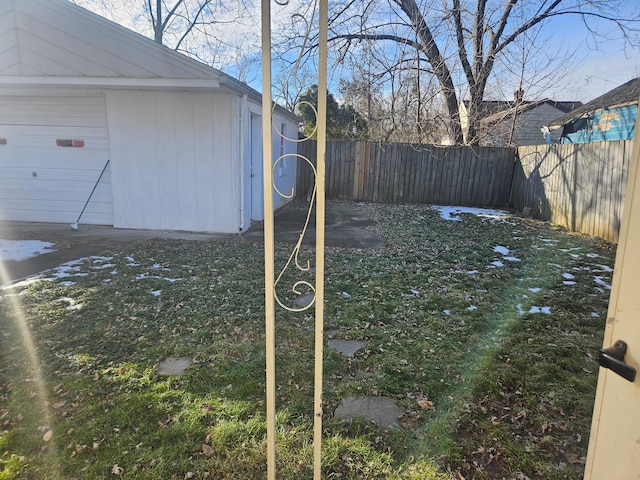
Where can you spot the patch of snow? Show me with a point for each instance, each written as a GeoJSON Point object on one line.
{"type": "Point", "coordinates": [471, 308]}
{"type": "Point", "coordinates": [104, 267]}
{"type": "Point", "coordinates": [142, 276]}
{"type": "Point", "coordinates": [497, 263]}
{"type": "Point", "coordinates": [72, 305]}
{"type": "Point", "coordinates": [501, 250]}
{"type": "Point", "coordinates": [592, 255]}
{"type": "Point", "coordinates": [601, 281]}
{"type": "Point", "coordinates": [569, 282]}
{"type": "Point", "coordinates": [520, 310]}
{"type": "Point", "coordinates": [156, 293]}
{"type": "Point", "coordinates": [18, 250]}
{"type": "Point", "coordinates": [511, 259]}
{"type": "Point", "coordinates": [595, 315]}
{"type": "Point", "coordinates": [604, 268]}
{"type": "Point", "coordinates": [101, 259]}
{"type": "Point", "coordinates": [447, 312]}
{"type": "Point", "coordinates": [545, 310]}
{"type": "Point", "coordinates": [534, 289]}
{"type": "Point", "coordinates": [453, 213]}
{"type": "Point", "coordinates": [472, 272]}
{"type": "Point", "coordinates": [568, 276]}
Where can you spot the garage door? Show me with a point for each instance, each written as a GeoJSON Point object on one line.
{"type": "Point", "coordinates": [52, 151]}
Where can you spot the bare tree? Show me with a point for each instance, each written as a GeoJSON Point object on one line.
{"type": "Point", "coordinates": [462, 40]}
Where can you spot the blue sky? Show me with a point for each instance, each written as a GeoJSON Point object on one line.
{"type": "Point", "coordinates": [597, 68]}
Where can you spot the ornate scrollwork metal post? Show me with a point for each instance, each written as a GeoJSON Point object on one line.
{"type": "Point", "coordinates": [317, 199]}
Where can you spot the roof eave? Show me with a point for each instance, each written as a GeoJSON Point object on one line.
{"type": "Point", "coordinates": [113, 82]}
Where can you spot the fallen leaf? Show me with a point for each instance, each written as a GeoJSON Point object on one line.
{"type": "Point", "coordinates": [573, 458]}
{"type": "Point", "coordinates": [425, 404]}
{"type": "Point", "coordinates": [117, 469]}
{"type": "Point", "coordinates": [48, 436]}
{"type": "Point", "coordinates": [207, 450]}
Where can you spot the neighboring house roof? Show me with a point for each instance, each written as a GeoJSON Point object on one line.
{"type": "Point", "coordinates": [626, 94]}
{"type": "Point", "coordinates": [58, 43]}
{"type": "Point", "coordinates": [491, 108]}
{"type": "Point", "coordinates": [521, 107]}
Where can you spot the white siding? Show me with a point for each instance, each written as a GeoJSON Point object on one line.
{"type": "Point", "coordinates": [175, 160]}
{"type": "Point", "coordinates": [40, 181]}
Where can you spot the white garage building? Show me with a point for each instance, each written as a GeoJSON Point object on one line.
{"type": "Point", "coordinates": [180, 143]}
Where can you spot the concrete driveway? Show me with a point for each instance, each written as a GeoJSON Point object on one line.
{"type": "Point", "coordinates": [69, 244]}
{"type": "Point", "coordinates": [345, 227]}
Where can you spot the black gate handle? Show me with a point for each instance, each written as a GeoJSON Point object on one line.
{"type": "Point", "coordinates": [613, 359]}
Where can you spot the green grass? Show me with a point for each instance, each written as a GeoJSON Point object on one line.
{"type": "Point", "coordinates": [488, 389]}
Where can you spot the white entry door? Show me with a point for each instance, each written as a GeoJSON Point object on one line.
{"type": "Point", "coordinates": [614, 445]}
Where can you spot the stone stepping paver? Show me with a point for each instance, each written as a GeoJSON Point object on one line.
{"type": "Point", "coordinates": [381, 410]}
{"type": "Point", "coordinates": [304, 300]}
{"type": "Point", "coordinates": [173, 366]}
{"type": "Point", "coordinates": [348, 348]}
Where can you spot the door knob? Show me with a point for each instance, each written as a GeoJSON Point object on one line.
{"type": "Point", "coordinates": [613, 359]}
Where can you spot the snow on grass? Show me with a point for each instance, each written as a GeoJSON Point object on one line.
{"type": "Point", "coordinates": [71, 303]}
{"type": "Point", "coordinates": [453, 213]}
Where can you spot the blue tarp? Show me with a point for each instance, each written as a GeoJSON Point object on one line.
{"type": "Point", "coordinates": [608, 124]}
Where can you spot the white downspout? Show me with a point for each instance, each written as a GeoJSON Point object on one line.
{"type": "Point", "coordinates": [243, 135]}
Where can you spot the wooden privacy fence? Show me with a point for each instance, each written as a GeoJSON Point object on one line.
{"type": "Point", "coordinates": [373, 172]}
{"type": "Point", "coordinates": [579, 186]}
